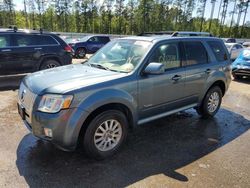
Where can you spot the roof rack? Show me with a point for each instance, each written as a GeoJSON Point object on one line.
{"type": "Point", "coordinates": [13, 27]}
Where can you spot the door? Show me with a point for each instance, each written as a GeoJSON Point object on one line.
{"type": "Point", "coordinates": [94, 44]}
{"type": "Point", "coordinates": [27, 52]}
{"type": "Point", "coordinates": [6, 57]}
{"type": "Point", "coordinates": [197, 68]}
{"type": "Point", "coordinates": [161, 93]}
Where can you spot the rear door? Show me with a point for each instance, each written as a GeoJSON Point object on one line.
{"type": "Point", "coordinates": [27, 51]}
{"type": "Point", "coordinates": [161, 93]}
{"type": "Point", "coordinates": [6, 57]}
{"type": "Point", "coordinates": [198, 68]}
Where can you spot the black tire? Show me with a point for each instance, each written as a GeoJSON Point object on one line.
{"type": "Point", "coordinates": [81, 53]}
{"type": "Point", "coordinates": [48, 64]}
{"type": "Point", "coordinates": [90, 138]}
{"type": "Point", "coordinates": [207, 110]}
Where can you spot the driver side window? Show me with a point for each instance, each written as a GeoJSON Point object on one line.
{"type": "Point", "coordinates": [167, 54]}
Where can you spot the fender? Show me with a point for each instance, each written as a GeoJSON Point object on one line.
{"type": "Point", "coordinates": [108, 96]}
{"type": "Point", "coordinates": [213, 77]}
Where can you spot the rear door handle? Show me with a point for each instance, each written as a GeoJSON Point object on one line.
{"type": "Point", "coordinates": [6, 50]}
{"type": "Point", "coordinates": [176, 77]}
{"type": "Point", "coordinates": [208, 71]}
{"type": "Point", "coordinates": [38, 48]}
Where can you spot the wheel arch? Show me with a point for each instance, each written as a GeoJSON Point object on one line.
{"type": "Point", "coordinates": [110, 106]}
{"type": "Point", "coordinates": [221, 84]}
{"type": "Point", "coordinates": [46, 58]}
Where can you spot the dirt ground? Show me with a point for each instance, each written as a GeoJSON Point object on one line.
{"type": "Point", "coordinates": [181, 150]}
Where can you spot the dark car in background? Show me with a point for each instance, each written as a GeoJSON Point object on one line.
{"type": "Point", "coordinates": [88, 45]}
{"type": "Point", "coordinates": [241, 66]}
{"type": "Point", "coordinates": [23, 51]}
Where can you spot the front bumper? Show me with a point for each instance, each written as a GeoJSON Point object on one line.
{"type": "Point", "coordinates": [65, 126]}
{"type": "Point", "coordinates": [241, 71]}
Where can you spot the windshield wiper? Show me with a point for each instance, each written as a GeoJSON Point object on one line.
{"type": "Point", "coordinates": [99, 66]}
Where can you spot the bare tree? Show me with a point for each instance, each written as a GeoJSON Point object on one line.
{"type": "Point", "coordinates": [232, 18]}
{"type": "Point", "coordinates": [212, 13]}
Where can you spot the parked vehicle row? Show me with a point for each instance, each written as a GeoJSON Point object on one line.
{"type": "Point", "coordinates": [24, 51]}
{"type": "Point", "coordinates": [128, 82]}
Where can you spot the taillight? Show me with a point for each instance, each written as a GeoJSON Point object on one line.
{"type": "Point", "coordinates": [68, 49]}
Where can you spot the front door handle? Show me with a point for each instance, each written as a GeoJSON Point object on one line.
{"type": "Point", "coordinates": [38, 48]}
{"type": "Point", "coordinates": [176, 77]}
{"type": "Point", "coordinates": [208, 71]}
{"type": "Point", "coordinates": [6, 50]}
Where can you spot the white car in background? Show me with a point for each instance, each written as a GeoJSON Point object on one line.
{"type": "Point", "coordinates": [234, 49]}
{"type": "Point", "coordinates": [246, 45]}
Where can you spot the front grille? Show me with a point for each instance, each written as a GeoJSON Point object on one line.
{"type": "Point", "coordinates": [26, 98]}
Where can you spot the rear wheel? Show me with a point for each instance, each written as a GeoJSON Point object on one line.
{"type": "Point", "coordinates": [105, 134]}
{"type": "Point", "coordinates": [211, 103]}
{"type": "Point", "coordinates": [48, 64]}
{"type": "Point", "coordinates": [81, 53]}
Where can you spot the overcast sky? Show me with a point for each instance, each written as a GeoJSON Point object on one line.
{"type": "Point", "coordinates": [19, 6]}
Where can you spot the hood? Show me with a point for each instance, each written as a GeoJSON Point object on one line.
{"type": "Point", "coordinates": [67, 78]}
{"type": "Point", "coordinates": [243, 59]}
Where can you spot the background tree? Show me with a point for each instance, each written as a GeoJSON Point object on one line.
{"type": "Point", "coordinates": [129, 16]}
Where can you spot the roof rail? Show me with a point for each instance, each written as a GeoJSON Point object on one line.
{"type": "Point", "coordinates": [41, 31]}
{"type": "Point", "coordinates": [13, 27]}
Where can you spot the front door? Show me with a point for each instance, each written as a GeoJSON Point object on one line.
{"type": "Point", "coordinates": [162, 93]}
{"type": "Point", "coordinates": [6, 56]}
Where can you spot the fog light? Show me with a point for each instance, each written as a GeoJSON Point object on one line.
{"type": "Point", "coordinates": [48, 132]}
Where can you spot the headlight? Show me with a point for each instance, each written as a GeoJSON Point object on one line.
{"type": "Point", "coordinates": [54, 103]}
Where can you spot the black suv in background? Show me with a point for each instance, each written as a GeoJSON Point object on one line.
{"type": "Point", "coordinates": [24, 51]}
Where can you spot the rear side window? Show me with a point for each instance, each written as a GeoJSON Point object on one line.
{"type": "Point", "coordinates": [26, 40]}
{"type": "Point", "coordinates": [195, 53]}
{"type": "Point", "coordinates": [4, 41]}
{"type": "Point", "coordinates": [104, 39]}
{"type": "Point", "coordinates": [218, 50]}
{"type": "Point", "coordinates": [47, 40]}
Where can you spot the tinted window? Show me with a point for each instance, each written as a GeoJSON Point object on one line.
{"type": "Point", "coordinates": [104, 39]}
{"type": "Point", "coordinates": [238, 46]}
{"type": "Point", "coordinates": [195, 53]}
{"type": "Point", "coordinates": [47, 40]}
{"type": "Point", "coordinates": [168, 55]}
{"type": "Point", "coordinates": [93, 39]}
{"type": "Point", "coordinates": [218, 50]}
{"type": "Point", "coordinates": [4, 41]}
{"type": "Point", "coordinates": [26, 40]}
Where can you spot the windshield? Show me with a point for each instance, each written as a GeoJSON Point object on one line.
{"type": "Point", "coordinates": [120, 55]}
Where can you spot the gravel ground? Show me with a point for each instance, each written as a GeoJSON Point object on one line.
{"type": "Point", "coordinates": [181, 150]}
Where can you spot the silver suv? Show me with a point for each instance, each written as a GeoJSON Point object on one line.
{"type": "Point", "coordinates": [130, 81]}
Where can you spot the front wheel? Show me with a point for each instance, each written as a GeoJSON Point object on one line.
{"type": "Point", "coordinates": [211, 103]}
{"type": "Point", "coordinates": [105, 134]}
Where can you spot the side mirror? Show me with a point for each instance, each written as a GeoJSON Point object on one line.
{"type": "Point", "coordinates": [154, 68]}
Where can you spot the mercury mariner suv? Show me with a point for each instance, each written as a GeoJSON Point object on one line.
{"type": "Point", "coordinates": [130, 81]}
